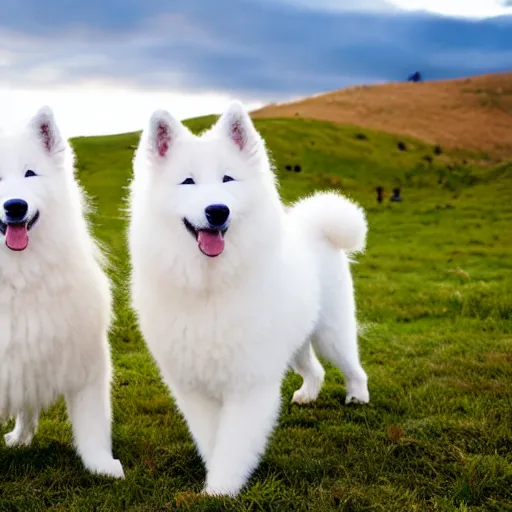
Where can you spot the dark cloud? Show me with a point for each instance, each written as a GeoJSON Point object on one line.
{"type": "Point", "coordinates": [253, 48]}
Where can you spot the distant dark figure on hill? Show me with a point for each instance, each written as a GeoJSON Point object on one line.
{"type": "Point", "coordinates": [415, 77]}
{"type": "Point", "coordinates": [396, 195]}
{"type": "Point", "coordinates": [380, 194]}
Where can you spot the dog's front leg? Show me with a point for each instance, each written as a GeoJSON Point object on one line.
{"type": "Point", "coordinates": [90, 413]}
{"type": "Point", "coordinates": [202, 416]}
{"type": "Point", "coordinates": [24, 429]}
{"type": "Point", "coordinates": [246, 420]}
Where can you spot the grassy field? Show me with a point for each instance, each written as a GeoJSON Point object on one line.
{"type": "Point", "coordinates": [434, 293]}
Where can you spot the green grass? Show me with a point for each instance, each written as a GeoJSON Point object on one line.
{"type": "Point", "coordinates": [434, 293]}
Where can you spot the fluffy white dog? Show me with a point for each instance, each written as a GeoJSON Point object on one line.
{"type": "Point", "coordinates": [231, 287]}
{"type": "Point", "coordinates": [55, 300]}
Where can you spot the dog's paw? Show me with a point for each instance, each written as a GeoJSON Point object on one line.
{"type": "Point", "coordinates": [107, 467]}
{"type": "Point", "coordinates": [355, 400]}
{"type": "Point", "coordinates": [310, 388]}
{"type": "Point", "coordinates": [216, 492]}
{"type": "Point", "coordinates": [16, 438]}
{"type": "Point", "coordinates": [357, 392]}
{"type": "Point", "coordinates": [303, 396]}
{"type": "Point", "coordinates": [359, 398]}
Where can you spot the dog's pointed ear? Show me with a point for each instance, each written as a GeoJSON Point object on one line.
{"type": "Point", "coordinates": [45, 128]}
{"type": "Point", "coordinates": [162, 133]}
{"type": "Point", "coordinates": [236, 124]}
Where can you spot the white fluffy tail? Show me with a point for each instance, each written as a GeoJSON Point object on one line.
{"type": "Point", "coordinates": [341, 221]}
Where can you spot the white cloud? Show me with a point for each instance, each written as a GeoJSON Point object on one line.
{"type": "Point", "coordinates": [6, 58]}
{"type": "Point", "coordinates": [460, 8]}
{"type": "Point", "coordinates": [98, 110]}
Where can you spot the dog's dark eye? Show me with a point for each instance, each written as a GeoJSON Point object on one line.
{"type": "Point", "coordinates": [30, 173]}
{"type": "Point", "coordinates": [188, 181]}
{"type": "Point", "coordinates": [227, 178]}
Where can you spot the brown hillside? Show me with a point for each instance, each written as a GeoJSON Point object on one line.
{"type": "Point", "coordinates": [470, 113]}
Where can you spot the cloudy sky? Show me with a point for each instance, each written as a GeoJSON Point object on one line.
{"type": "Point", "coordinates": [104, 65]}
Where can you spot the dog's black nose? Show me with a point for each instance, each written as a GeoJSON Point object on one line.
{"type": "Point", "coordinates": [217, 215]}
{"type": "Point", "coordinates": [15, 210]}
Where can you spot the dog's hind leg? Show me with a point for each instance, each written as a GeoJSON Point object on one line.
{"type": "Point", "coordinates": [340, 347]}
{"type": "Point", "coordinates": [246, 420]}
{"type": "Point", "coordinates": [307, 365]}
{"type": "Point", "coordinates": [24, 429]}
{"type": "Point", "coordinates": [202, 417]}
{"type": "Point", "coordinates": [336, 341]}
{"type": "Point", "coordinates": [335, 337]}
{"type": "Point", "coordinates": [90, 414]}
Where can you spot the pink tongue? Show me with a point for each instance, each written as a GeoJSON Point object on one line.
{"type": "Point", "coordinates": [210, 243]}
{"type": "Point", "coordinates": [16, 237]}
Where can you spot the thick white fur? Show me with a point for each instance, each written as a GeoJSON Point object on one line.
{"type": "Point", "coordinates": [224, 330]}
{"type": "Point", "coordinates": [55, 300]}
{"type": "Point", "coordinates": [342, 222]}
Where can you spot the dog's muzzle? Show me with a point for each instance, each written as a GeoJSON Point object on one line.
{"type": "Point", "coordinates": [210, 238]}
{"type": "Point", "coordinates": [17, 224]}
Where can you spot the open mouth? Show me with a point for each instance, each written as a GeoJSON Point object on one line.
{"type": "Point", "coordinates": [16, 233]}
{"type": "Point", "coordinates": [210, 241]}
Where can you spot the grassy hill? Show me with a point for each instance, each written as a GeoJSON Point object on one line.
{"type": "Point", "coordinates": [472, 113]}
{"type": "Point", "coordinates": [435, 305]}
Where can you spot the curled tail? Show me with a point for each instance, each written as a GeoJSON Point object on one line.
{"type": "Point", "coordinates": [334, 217]}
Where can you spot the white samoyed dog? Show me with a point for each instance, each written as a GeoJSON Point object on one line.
{"type": "Point", "coordinates": [55, 299]}
{"type": "Point", "coordinates": [231, 288]}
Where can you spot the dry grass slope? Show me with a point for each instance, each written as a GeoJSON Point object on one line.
{"type": "Point", "coordinates": [470, 113]}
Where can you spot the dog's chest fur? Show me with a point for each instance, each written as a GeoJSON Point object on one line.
{"type": "Point", "coordinates": [46, 337]}
{"type": "Point", "coordinates": [232, 341]}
